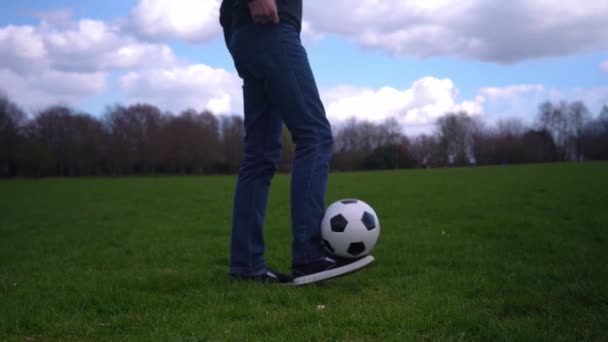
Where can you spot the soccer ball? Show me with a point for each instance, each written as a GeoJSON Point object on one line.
{"type": "Point", "coordinates": [350, 228]}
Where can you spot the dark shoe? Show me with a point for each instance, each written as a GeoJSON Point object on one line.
{"type": "Point", "coordinates": [268, 277]}
{"type": "Point", "coordinates": [327, 268]}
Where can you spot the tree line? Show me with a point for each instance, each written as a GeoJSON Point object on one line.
{"type": "Point", "coordinates": [143, 139]}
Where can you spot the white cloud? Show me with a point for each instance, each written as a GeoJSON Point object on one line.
{"type": "Point", "coordinates": [55, 17]}
{"type": "Point", "coordinates": [594, 97]}
{"type": "Point", "coordinates": [513, 101]}
{"type": "Point", "coordinates": [177, 88]}
{"type": "Point", "coordinates": [22, 48]}
{"type": "Point", "coordinates": [62, 60]}
{"type": "Point", "coordinates": [503, 32]}
{"type": "Point", "coordinates": [511, 91]}
{"type": "Point", "coordinates": [66, 63]}
{"type": "Point", "coordinates": [419, 105]}
{"type": "Point", "coordinates": [309, 36]}
{"type": "Point", "coordinates": [93, 45]}
{"type": "Point", "coordinates": [34, 91]}
{"type": "Point", "coordinates": [83, 46]}
{"type": "Point", "coordinates": [190, 20]}
{"type": "Point", "coordinates": [522, 101]}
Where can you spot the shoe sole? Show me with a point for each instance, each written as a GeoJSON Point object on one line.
{"type": "Point", "coordinates": [333, 273]}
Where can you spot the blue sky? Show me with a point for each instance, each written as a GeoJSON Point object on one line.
{"type": "Point", "coordinates": [408, 59]}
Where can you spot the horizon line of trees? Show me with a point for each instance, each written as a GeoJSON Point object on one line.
{"type": "Point", "coordinates": [142, 139]}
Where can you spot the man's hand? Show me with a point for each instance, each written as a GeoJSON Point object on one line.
{"type": "Point", "coordinates": [264, 11]}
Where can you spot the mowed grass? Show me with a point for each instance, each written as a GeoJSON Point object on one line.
{"type": "Point", "coordinates": [497, 253]}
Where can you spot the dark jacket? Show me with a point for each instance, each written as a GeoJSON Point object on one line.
{"type": "Point", "coordinates": [235, 14]}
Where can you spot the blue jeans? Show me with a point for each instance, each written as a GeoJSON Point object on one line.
{"type": "Point", "coordinates": [278, 87]}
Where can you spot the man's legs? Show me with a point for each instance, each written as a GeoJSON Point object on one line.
{"type": "Point", "coordinates": [293, 93]}
{"type": "Point", "coordinates": [262, 152]}
{"type": "Point", "coordinates": [278, 81]}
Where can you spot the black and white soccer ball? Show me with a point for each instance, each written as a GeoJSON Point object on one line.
{"type": "Point", "coordinates": [350, 228]}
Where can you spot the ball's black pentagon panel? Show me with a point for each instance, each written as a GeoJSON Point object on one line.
{"type": "Point", "coordinates": [369, 221]}
{"type": "Point", "coordinates": [349, 201]}
{"type": "Point", "coordinates": [328, 246]}
{"type": "Point", "coordinates": [338, 223]}
{"type": "Point", "coordinates": [356, 248]}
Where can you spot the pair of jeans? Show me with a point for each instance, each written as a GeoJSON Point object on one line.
{"type": "Point", "coordinates": [278, 88]}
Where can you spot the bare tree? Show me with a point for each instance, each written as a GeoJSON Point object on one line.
{"type": "Point", "coordinates": [141, 139]}
{"type": "Point", "coordinates": [396, 155]}
{"type": "Point", "coordinates": [51, 128]}
{"type": "Point", "coordinates": [351, 136]}
{"type": "Point", "coordinates": [209, 140]}
{"type": "Point", "coordinates": [121, 147]}
{"type": "Point", "coordinates": [180, 143]}
{"type": "Point", "coordinates": [455, 134]}
{"type": "Point", "coordinates": [90, 142]}
{"type": "Point", "coordinates": [350, 146]}
{"type": "Point", "coordinates": [595, 137]}
{"type": "Point", "coordinates": [190, 143]}
{"type": "Point", "coordinates": [578, 118]}
{"type": "Point", "coordinates": [12, 120]}
{"type": "Point", "coordinates": [136, 133]}
{"type": "Point", "coordinates": [508, 141]}
{"type": "Point", "coordinates": [426, 151]}
{"type": "Point", "coordinates": [356, 140]}
{"type": "Point", "coordinates": [603, 118]}
{"type": "Point", "coordinates": [486, 147]}
{"type": "Point", "coordinates": [539, 146]}
{"type": "Point", "coordinates": [554, 119]}
{"type": "Point", "coordinates": [391, 132]}
{"type": "Point", "coordinates": [566, 122]}
{"type": "Point", "coordinates": [232, 137]}
{"type": "Point", "coordinates": [512, 127]}
{"type": "Point", "coordinates": [75, 141]}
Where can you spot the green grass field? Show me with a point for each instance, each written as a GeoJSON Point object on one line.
{"type": "Point", "coordinates": [499, 253]}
